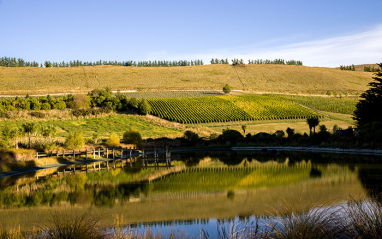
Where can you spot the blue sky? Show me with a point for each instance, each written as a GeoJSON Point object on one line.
{"type": "Point", "coordinates": [319, 33]}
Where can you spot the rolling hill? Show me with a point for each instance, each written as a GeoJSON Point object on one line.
{"type": "Point", "coordinates": [258, 78]}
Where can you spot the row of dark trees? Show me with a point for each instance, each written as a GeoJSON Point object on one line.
{"type": "Point", "coordinates": [35, 103]}
{"type": "Point", "coordinates": [371, 69]}
{"type": "Point", "coordinates": [275, 62]}
{"type": "Point", "coordinates": [236, 61]}
{"type": "Point", "coordinates": [365, 68]}
{"type": "Point", "coordinates": [347, 68]}
{"type": "Point", "coordinates": [96, 102]}
{"type": "Point", "coordinates": [13, 62]}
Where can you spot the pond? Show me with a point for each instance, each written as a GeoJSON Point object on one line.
{"type": "Point", "coordinates": [201, 192]}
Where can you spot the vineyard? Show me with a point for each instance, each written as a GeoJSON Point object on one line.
{"type": "Point", "coordinates": [335, 105]}
{"type": "Point", "coordinates": [255, 175]}
{"type": "Point", "coordinates": [197, 110]}
{"type": "Point", "coordinates": [171, 94]}
{"type": "Point", "coordinates": [228, 108]}
{"type": "Point", "coordinates": [210, 179]}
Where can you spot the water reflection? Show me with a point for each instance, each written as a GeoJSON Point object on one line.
{"type": "Point", "coordinates": [213, 184]}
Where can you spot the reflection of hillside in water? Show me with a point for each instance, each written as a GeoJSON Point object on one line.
{"type": "Point", "coordinates": [196, 173]}
{"type": "Point", "coordinates": [217, 184]}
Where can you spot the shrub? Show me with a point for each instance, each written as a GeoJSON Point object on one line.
{"type": "Point", "coordinates": [44, 146]}
{"type": "Point", "coordinates": [46, 106]}
{"type": "Point", "coordinates": [74, 140]}
{"type": "Point", "coordinates": [133, 103]}
{"type": "Point", "coordinates": [279, 133]}
{"type": "Point", "coordinates": [231, 135]}
{"type": "Point", "coordinates": [226, 89]}
{"type": "Point", "coordinates": [132, 136]}
{"type": "Point", "coordinates": [60, 105]}
{"type": "Point", "coordinates": [144, 107]}
{"type": "Point", "coordinates": [290, 132]}
{"type": "Point", "coordinates": [36, 105]}
{"type": "Point", "coordinates": [79, 101]}
{"type": "Point", "coordinates": [37, 114]}
{"type": "Point", "coordinates": [113, 141]}
{"type": "Point", "coordinates": [191, 136]}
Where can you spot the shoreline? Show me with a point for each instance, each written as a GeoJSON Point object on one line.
{"type": "Point", "coordinates": [376, 152]}
{"type": "Point", "coordinates": [373, 152]}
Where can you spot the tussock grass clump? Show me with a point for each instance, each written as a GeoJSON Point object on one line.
{"type": "Point", "coordinates": [78, 225]}
{"type": "Point", "coordinates": [316, 223]}
{"type": "Point", "coordinates": [364, 218]}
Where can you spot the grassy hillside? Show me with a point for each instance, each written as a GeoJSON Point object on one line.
{"type": "Point", "coordinates": [260, 78]}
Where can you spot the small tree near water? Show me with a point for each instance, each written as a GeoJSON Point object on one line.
{"type": "Point", "coordinates": [113, 141]}
{"type": "Point", "coordinates": [313, 123]}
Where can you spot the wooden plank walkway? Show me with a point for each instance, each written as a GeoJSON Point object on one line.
{"type": "Point", "coordinates": [110, 158]}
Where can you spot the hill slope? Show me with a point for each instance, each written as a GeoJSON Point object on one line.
{"type": "Point", "coordinates": [263, 78]}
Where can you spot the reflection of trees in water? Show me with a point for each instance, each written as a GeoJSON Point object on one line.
{"type": "Point", "coordinates": [14, 180]}
{"type": "Point", "coordinates": [315, 172]}
{"type": "Point", "coordinates": [371, 179]}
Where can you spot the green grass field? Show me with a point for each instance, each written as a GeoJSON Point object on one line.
{"type": "Point", "coordinates": [105, 125]}
{"type": "Point", "coordinates": [259, 78]}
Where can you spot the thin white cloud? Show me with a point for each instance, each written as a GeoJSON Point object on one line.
{"type": "Point", "coordinates": [359, 48]}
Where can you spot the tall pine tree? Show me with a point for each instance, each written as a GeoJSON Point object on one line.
{"type": "Point", "coordinates": [368, 109]}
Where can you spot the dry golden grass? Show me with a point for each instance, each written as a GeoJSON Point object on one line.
{"type": "Point", "coordinates": [264, 78]}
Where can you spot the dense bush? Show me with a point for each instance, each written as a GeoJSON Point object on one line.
{"type": "Point", "coordinates": [191, 137]}
{"type": "Point", "coordinates": [144, 107]}
{"type": "Point", "coordinates": [113, 141]}
{"type": "Point", "coordinates": [132, 136]}
{"type": "Point", "coordinates": [37, 114]}
{"type": "Point", "coordinates": [75, 140]}
{"type": "Point", "coordinates": [230, 136]}
{"type": "Point", "coordinates": [79, 102]}
{"type": "Point", "coordinates": [90, 111]}
{"type": "Point", "coordinates": [226, 89]}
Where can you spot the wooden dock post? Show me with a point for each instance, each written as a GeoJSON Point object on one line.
{"type": "Point", "coordinates": [126, 154]}
{"type": "Point", "coordinates": [93, 153]}
{"type": "Point", "coordinates": [113, 158]}
{"type": "Point", "coordinates": [86, 154]}
{"type": "Point", "coordinates": [155, 157]}
{"type": "Point", "coordinates": [99, 152]}
{"type": "Point", "coordinates": [168, 157]}
{"type": "Point", "coordinates": [107, 153]}
{"type": "Point", "coordinates": [37, 155]}
{"type": "Point", "coordinates": [74, 154]}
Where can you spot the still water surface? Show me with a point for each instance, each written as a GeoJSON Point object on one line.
{"type": "Point", "coordinates": [201, 192]}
